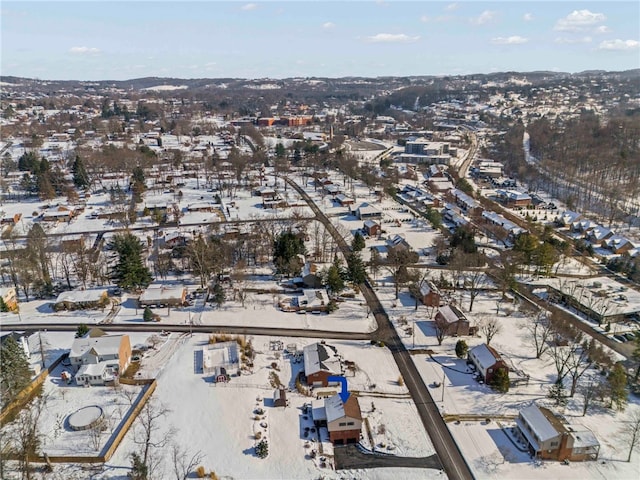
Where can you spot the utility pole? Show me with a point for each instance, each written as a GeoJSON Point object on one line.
{"type": "Point", "coordinates": [41, 348]}
{"type": "Point", "coordinates": [442, 399]}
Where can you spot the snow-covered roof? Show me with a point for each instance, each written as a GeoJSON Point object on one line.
{"type": "Point", "coordinates": [220, 355]}
{"type": "Point", "coordinates": [539, 423]}
{"type": "Point", "coordinates": [321, 357]}
{"type": "Point", "coordinates": [484, 355]}
{"type": "Point", "coordinates": [313, 297]}
{"type": "Point", "coordinates": [366, 209]}
{"type": "Point", "coordinates": [81, 296]}
{"type": "Point", "coordinates": [92, 369]}
{"type": "Point", "coordinates": [161, 293]}
{"type": "Point", "coordinates": [318, 412]}
{"type": "Point", "coordinates": [452, 315]}
{"type": "Point", "coordinates": [105, 345]}
{"type": "Point", "coordinates": [582, 436]}
{"type": "Point", "coordinates": [336, 409]}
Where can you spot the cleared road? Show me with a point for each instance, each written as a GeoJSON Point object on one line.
{"type": "Point", "coordinates": [446, 448]}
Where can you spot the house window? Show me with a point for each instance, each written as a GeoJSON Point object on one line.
{"type": "Point", "coordinates": [342, 424]}
{"type": "Point", "coordinates": [554, 444]}
{"type": "Point", "coordinates": [349, 423]}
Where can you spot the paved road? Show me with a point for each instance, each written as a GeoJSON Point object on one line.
{"type": "Point", "coordinates": [446, 448]}
{"type": "Point", "coordinates": [350, 457]}
{"type": "Point", "coordinates": [184, 328]}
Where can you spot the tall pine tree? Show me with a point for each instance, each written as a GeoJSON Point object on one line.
{"type": "Point", "coordinates": [129, 272]}
{"type": "Point", "coordinates": [14, 370]}
{"type": "Point", "coordinates": [80, 176]}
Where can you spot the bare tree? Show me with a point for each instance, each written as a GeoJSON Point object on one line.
{"type": "Point", "coordinates": [474, 283]}
{"type": "Point", "coordinates": [589, 392]}
{"type": "Point", "coordinates": [490, 328]}
{"type": "Point", "coordinates": [541, 331]}
{"type": "Point", "coordinates": [148, 435]}
{"type": "Point", "coordinates": [441, 326]}
{"type": "Point", "coordinates": [24, 435]}
{"type": "Point", "coordinates": [183, 464]}
{"type": "Point", "coordinates": [631, 433]}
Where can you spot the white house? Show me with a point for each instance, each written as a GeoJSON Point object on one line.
{"type": "Point", "coordinates": [221, 360]}
{"type": "Point", "coordinates": [99, 359]}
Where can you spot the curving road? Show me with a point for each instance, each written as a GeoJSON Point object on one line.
{"type": "Point", "coordinates": [446, 448]}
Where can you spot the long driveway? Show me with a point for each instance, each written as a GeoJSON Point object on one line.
{"type": "Point", "coordinates": [446, 448]}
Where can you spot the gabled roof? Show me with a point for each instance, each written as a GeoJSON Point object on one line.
{"type": "Point", "coordinates": [451, 314]}
{"type": "Point", "coordinates": [486, 356]}
{"type": "Point", "coordinates": [105, 345]}
{"type": "Point", "coordinates": [335, 409]}
{"type": "Point", "coordinates": [539, 423]}
{"type": "Point", "coordinates": [320, 357]}
{"type": "Point", "coordinates": [82, 296]}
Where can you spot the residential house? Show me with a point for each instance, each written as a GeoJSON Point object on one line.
{"type": "Point", "coordinates": [11, 219]}
{"type": "Point", "coordinates": [366, 212]}
{"type": "Point", "coordinates": [312, 300]}
{"type": "Point", "coordinates": [469, 204]}
{"type": "Point", "coordinates": [451, 318]}
{"type": "Point", "coordinates": [430, 295]}
{"type": "Point", "coordinates": [550, 437]}
{"type": "Point", "coordinates": [82, 299]}
{"type": "Point", "coordinates": [568, 218]}
{"type": "Point", "coordinates": [487, 361]}
{"type": "Point", "coordinates": [344, 419]}
{"type": "Point", "coordinates": [398, 243]}
{"type": "Point", "coordinates": [617, 244]}
{"type": "Point", "coordinates": [311, 275]}
{"type": "Point", "coordinates": [598, 234]}
{"type": "Point", "coordinates": [514, 198]}
{"type": "Point", "coordinates": [344, 201]}
{"type": "Point", "coordinates": [321, 361]}
{"type": "Point", "coordinates": [100, 359]}
{"type": "Point", "coordinates": [583, 226]}
{"type": "Point", "coordinates": [371, 228]}
{"type": "Point", "coordinates": [221, 360]}
{"type": "Point", "coordinates": [163, 296]}
{"type": "Point", "coordinates": [9, 297]}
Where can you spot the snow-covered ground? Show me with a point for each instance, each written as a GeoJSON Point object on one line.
{"type": "Point", "coordinates": [219, 419]}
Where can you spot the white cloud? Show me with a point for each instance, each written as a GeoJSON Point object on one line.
{"type": "Point", "coordinates": [451, 7]}
{"type": "Point", "coordinates": [570, 41]}
{"type": "Point", "coordinates": [527, 17]}
{"type": "Point", "coordinates": [619, 45]}
{"type": "Point", "coordinates": [579, 20]}
{"type": "Point", "coordinates": [603, 29]}
{"type": "Point", "coordinates": [512, 40]}
{"type": "Point", "coordinates": [328, 25]}
{"type": "Point", "coordinates": [485, 17]}
{"type": "Point", "coordinates": [392, 38]}
{"type": "Point", "coordinates": [84, 50]}
{"type": "Point", "coordinates": [437, 19]}
{"type": "Point", "coordinates": [424, 18]}
{"type": "Point", "coordinates": [249, 6]}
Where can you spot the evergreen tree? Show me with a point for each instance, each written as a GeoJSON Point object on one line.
{"type": "Point", "coordinates": [558, 394]}
{"type": "Point", "coordinates": [334, 281]}
{"type": "Point", "coordinates": [3, 305]}
{"type": "Point", "coordinates": [461, 349]}
{"type": "Point", "coordinates": [129, 272]}
{"type": "Point", "coordinates": [139, 471]}
{"type": "Point", "coordinates": [82, 330]}
{"type": "Point", "coordinates": [500, 380]}
{"type": "Point", "coordinates": [617, 384]}
{"type": "Point", "coordinates": [80, 176]}
{"type": "Point", "coordinates": [147, 315]}
{"type": "Point", "coordinates": [218, 295]}
{"type": "Point", "coordinates": [358, 242]}
{"type": "Point", "coordinates": [14, 370]}
{"type": "Point", "coordinates": [355, 268]}
{"type": "Point", "coordinates": [286, 249]}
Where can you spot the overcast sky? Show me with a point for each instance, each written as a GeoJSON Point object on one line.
{"type": "Point", "coordinates": [119, 40]}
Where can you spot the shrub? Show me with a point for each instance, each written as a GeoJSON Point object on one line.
{"type": "Point", "coordinates": [401, 381]}
{"type": "Point", "coordinates": [147, 316]}
{"type": "Point", "coordinates": [262, 449]}
{"type": "Point", "coordinates": [461, 349]}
